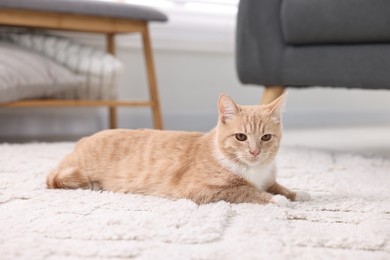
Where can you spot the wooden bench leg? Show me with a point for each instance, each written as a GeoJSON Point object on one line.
{"type": "Point", "coordinates": [157, 119]}
{"type": "Point", "coordinates": [271, 93]}
{"type": "Point", "coordinates": [152, 79]}
{"type": "Point", "coordinates": [113, 117]}
{"type": "Point", "coordinates": [112, 111]}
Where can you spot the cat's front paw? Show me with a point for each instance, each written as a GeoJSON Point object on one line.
{"type": "Point", "coordinates": [302, 196]}
{"type": "Point", "coordinates": [281, 201]}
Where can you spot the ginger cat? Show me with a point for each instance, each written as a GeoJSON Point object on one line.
{"type": "Point", "coordinates": [233, 162]}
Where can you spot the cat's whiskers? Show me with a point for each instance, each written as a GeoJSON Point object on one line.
{"type": "Point", "coordinates": [268, 155]}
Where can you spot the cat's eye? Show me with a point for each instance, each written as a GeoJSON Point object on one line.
{"type": "Point", "coordinates": [266, 137]}
{"type": "Point", "coordinates": [241, 137]}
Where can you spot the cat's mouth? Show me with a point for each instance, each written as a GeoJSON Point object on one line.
{"type": "Point", "coordinates": [252, 160]}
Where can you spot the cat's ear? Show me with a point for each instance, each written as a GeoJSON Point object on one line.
{"type": "Point", "coordinates": [277, 106]}
{"type": "Point", "coordinates": [227, 108]}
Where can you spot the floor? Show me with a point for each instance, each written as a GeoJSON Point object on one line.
{"type": "Point", "coordinates": [348, 216]}
{"type": "Point", "coordinates": [366, 140]}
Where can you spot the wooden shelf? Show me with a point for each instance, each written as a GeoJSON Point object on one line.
{"type": "Point", "coordinates": [92, 24]}
{"type": "Point", "coordinates": [77, 103]}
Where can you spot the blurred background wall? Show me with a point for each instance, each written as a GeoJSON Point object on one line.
{"type": "Point", "coordinates": [194, 55]}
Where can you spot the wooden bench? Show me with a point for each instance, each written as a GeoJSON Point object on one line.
{"type": "Point", "coordinates": [93, 17]}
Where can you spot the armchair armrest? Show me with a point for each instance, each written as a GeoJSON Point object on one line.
{"type": "Point", "coordinates": [259, 42]}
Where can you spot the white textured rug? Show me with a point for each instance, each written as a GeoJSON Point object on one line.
{"type": "Point", "coordinates": [348, 218]}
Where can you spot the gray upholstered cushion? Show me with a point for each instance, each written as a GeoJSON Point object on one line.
{"type": "Point", "coordinates": [352, 66]}
{"type": "Point", "coordinates": [88, 7]}
{"type": "Point", "coordinates": [24, 75]}
{"type": "Point", "coordinates": [335, 21]}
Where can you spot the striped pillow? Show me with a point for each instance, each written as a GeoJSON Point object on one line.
{"type": "Point", "coordinates": [25, 75]}
{"type": "Point", "coordinates": [101, 70]}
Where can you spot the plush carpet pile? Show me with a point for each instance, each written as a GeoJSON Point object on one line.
{"type": "Point", "coordinates": [348, 217]}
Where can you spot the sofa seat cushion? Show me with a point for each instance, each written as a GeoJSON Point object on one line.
{"type": "Point", "coordinates": [25, 75]}
{"type": "Point", "coordinates": [88, 7]}
{"type": "Point", "coordinates": [335, 21]}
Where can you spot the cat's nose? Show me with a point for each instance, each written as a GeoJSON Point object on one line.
{"type": "Point", "coordinates": [254, 152]}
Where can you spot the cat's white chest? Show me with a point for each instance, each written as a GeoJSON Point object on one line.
{"type": "Point", "coordinates": [261, 176]}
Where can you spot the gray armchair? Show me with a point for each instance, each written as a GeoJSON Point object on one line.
{"type": "Point", "coordinates": [302, 43]}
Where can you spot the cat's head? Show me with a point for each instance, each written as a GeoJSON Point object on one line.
{"type": "Point", "coordinates": [249, 135]}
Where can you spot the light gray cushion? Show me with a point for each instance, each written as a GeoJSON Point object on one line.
{"type": "Point", "coordinates": [335, 21]}
{"type": "Point", "coordinates": [25, 75]}
{"type": "Point", "coordinates": [88, 7]}
{"type": "Point", "coordinates": [101, 70]}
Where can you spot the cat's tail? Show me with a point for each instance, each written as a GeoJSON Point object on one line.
{"type": "Point", "coordinates": [66, 178]}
